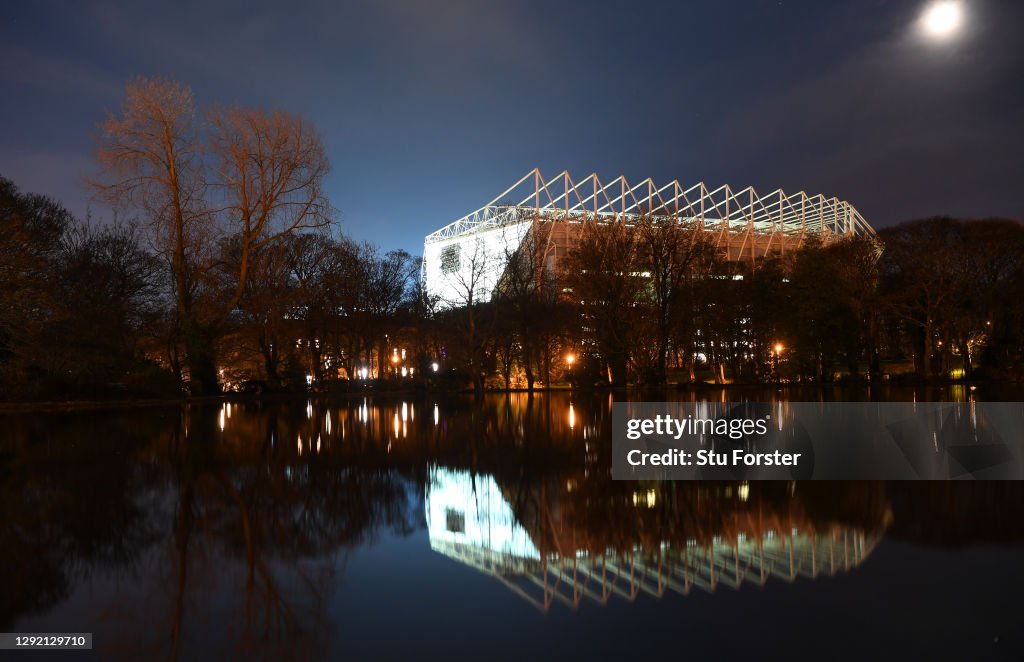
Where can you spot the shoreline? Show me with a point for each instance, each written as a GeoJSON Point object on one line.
{"type": "Point", "coordinates": [131, 403]}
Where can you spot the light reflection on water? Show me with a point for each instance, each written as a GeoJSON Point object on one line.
{"type": "Point", "coordinates": [257, 528]}
{"type": "Point", "coordinates": [470, 520]}
{"type": "Point", "coordinates": [516, 415]}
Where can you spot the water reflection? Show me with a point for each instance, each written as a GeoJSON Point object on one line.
{"type": "Point", "coordinates": [239, 528]}
{"type": "Point", "coordinates": [551, 551]}
{"type": "Point", "coordinates": [186, 535]}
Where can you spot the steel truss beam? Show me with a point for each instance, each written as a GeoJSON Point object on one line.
{"type": "Point", "coordinates": [580, 576]}
{"type": "Point", "coordinates": [723, 209]}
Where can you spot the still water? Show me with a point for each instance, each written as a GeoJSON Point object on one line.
{"type": "Point", "coordinates": [447, 527]}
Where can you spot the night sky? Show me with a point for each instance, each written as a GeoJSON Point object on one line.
{"type": "Point", "coordinates": [429, 110]}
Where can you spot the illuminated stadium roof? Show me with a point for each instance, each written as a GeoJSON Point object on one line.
{"type": "Point", "coordinates": [719, 209]}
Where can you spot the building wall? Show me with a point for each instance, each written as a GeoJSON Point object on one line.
{"type": "Point", "coordinates": [452, 267]}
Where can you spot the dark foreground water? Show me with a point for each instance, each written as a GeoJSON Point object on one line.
{"type": "Point", "coordinates": [448, 528]}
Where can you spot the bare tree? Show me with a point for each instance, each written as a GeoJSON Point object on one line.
{"type": "Point", "coordinates": [152, 161]}
{"type": "Point", "coordinates": [271, 169]}
{"type": "Point", "coordinates": [527, 291]}
{"type": "Point", "coordinates": [469, 281]}
{"type": "Point", "coordinates": [673, 255]}
{"type": "Point", "coordinates": [920, 261]}
{"type": "Point", "coordinates": [602, 273]}
{"type": "Point", "coordinates": [386, 280]}
{"type": "Point", "coordinates": [271, 294]}
{"type": "Point", "coordinates": [245, 175]}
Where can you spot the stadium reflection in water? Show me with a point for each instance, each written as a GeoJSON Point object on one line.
{"type": "Point", "coordinates": [556, 557]}
{"type": "Point", "coordinates": [299, 530]}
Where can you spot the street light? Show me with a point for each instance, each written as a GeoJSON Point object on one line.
{"type": "Point", "coordinates": [777, 352]}
{"type": "Point", "coordinates": [570, 358]}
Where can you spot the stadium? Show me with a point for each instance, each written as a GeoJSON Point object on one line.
{"type": "Point", "coordinates": [465, 260]}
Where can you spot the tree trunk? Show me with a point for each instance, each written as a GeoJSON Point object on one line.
{"type": "Point", "coordinates": [617, 368]}
{"type": "Point", "coordinates": [270, 365]}
{"type": "Point", "coordinates": [926, 354]}
{"type": "Point", "coordinates": [547, 362]}
{"type": "Point", "coordinates": [874, 362]}
{"type": "Point", "coordinates": [201, 358]}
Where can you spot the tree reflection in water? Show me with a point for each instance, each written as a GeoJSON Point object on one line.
{"type": "Point", "coordinates": [286, 521]}
{"type": "Point", "coordinates": [225, 529]}
{"type": "Point", "coordinates": [228, 536]}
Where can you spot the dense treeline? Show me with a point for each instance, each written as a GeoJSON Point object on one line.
{"type": "Point", "coordinates": [653, 302]}
{"type": "Point", "coordinates": [78, 303]}
{"type": "Point", "coordinates": [231, 274]}
{"type": "Point", "coordinates": [89, 310]}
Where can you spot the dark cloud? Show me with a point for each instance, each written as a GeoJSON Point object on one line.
{"type": "Point", "coordinates": [430, 109]}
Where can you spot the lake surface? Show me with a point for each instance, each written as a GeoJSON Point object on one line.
{"type": "Point", "coordinates": [449, 527]}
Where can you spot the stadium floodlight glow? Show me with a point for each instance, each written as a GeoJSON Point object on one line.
{"type": "Point", "coordinates": [469, 255]}
{"type": "Point", "coordinates": [942, 18]}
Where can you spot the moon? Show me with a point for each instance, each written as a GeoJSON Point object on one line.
{"type": "Point", "coordinates": [942, 18]}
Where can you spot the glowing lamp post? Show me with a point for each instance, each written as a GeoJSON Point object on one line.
{"type": "Point", "coordinates": [570, 358]}
{"type": "Point", "coordinates": [777, 354]}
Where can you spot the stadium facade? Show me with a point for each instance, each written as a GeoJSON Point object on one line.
{"type": "Point", "coordinates": [469, 256]}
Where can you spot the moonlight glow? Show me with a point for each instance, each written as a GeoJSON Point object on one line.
{"type": "Point", "coordinates": [941, 19]}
